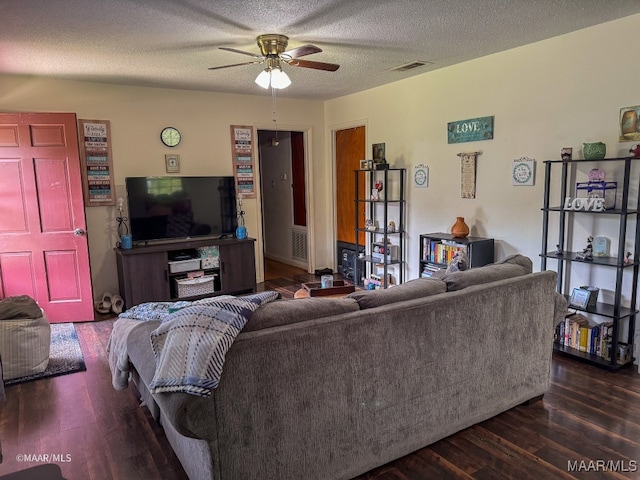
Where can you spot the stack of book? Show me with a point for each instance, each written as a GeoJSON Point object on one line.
{"type": "Point", "coordinates": [585, 335]}
{"type": "Point", "coordinates": [440, 251]}
{"type": "Point", "coordinates": [429, 269]}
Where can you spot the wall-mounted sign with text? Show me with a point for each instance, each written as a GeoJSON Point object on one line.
{"type": "Point", "coordinates": [471, 130]}
{"type": "Point", "coordinates": [97, 163]}
{"type": "Point", "coordinates": [243, 164]}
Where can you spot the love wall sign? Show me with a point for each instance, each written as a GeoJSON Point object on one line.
{"type": "Point", "coordinates": [471, 130]}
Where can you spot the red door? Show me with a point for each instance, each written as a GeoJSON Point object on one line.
{"type": "Point", "coordinates": [43, 243]}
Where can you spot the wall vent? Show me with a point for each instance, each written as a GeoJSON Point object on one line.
{"type": "Point", "coordinates": [410, 66]}
{"type": "Point", "coordinates": [299, 244]}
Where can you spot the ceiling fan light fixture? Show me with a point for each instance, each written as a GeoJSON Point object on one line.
{"type": "Point", "coordinates": [264, 78]}
{"type": "Point", "coordinates": [279, 79]}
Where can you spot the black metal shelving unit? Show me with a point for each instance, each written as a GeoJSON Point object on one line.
{"type": "Point", "coordinates": [378, 210]}
{"type": "Point", "coordinates": [616, 312]}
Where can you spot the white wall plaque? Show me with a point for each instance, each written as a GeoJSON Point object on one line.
{"type": "Point", "coordinates": [523, 171]}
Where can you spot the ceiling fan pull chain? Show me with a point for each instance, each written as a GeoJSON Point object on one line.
{"type": "Point", "coordinates": [274, 114]}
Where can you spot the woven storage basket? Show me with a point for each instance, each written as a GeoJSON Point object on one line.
{"type": "Point", "coordinates": [191, 287]}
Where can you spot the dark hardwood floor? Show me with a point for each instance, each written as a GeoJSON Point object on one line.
{"type": "Point", "coordinates": [586, 427]}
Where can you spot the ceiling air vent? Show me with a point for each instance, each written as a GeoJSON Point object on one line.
{"type": "Point", "coordinates": [410, 66]}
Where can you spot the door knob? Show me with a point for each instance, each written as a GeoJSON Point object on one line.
{"type": "Point", "coordinates": [79, 232]}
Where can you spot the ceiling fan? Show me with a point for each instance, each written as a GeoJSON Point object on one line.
{"type": "Point", "coordinates": [273, 52]}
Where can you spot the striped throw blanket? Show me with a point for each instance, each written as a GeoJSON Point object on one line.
{"type": "Point", "coordinates": [190, 344]}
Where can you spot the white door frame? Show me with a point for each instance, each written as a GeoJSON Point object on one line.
{"type": "Point", "coordinates": [308, 173]}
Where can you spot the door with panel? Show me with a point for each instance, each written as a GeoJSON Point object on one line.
{"type": "Point", "coordinates": [43, 242]}
{"type": "Point", "coordinates": [349, 150]}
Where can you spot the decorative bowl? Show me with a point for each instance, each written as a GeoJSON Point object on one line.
{"type": "Point", "coordinates": [594, 151]}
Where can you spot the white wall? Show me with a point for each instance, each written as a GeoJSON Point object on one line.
{"type": "Point", "coordinates": [560, 92]}
{"type": "Point", "coordinates": [138, 114]}
{"type": "Point", "coordinates": [544, 96]}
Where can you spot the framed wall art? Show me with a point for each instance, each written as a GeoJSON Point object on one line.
{"type": "Point", "coordinates": [172, 163]}
{"type": "Point", "coordinates": [94, 137]}
{"type": "Point", "coordinates": [629, 124]}
{"type": "Point", "coordinates": [243, 162]}
{"type": "Point", "coordinates": [470, 130]}
{"type": "Point", "coordinates": [421, 176]}
{"type": "Point", "coordinates": [523, 171]}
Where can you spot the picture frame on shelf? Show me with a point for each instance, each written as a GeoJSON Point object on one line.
{"type": "Point", "coordinates": [172, 163]}
{"type": "Point", "coordinates": [366, 164]}
{"type": "Point", "coordinates": [601, 246]}
{"type": "Point", "coordinates": [579, 298]}
{"type": "Point", "coordinates": [629, 123]}
{"type": "Point", "coordinates": [378, 150]}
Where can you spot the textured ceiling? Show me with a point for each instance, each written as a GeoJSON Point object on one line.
{"type": "Point", "coordinates": [170, 43]}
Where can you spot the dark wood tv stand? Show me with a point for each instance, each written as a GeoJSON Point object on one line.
{"type": "Point", "coordinates": [144, 276]}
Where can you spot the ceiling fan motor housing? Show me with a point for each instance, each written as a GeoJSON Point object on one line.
{"type": "Point", "coordinates": [272, 44]}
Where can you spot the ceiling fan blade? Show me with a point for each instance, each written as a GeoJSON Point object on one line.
{"type": "Point", "coordinates": [241, 52]}
{"type": "Point", "coordinates": [329, 67]}
{"type": "Point", "coordinates": [301, 51]}
{"type": "Point", "coordinates": [235, 65]}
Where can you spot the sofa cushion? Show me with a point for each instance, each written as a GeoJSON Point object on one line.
{"type": "Point", "coordinates": [418, 288]}
{"type": "Point", "coordinates": [283, 312]}
{"type": "Point", "coordinates": [512, 266]}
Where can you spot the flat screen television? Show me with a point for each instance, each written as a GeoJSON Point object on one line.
{"type": "Point", "coordinates": [162, 208]}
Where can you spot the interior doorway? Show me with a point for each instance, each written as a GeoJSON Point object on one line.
{"type": "Point", "coordinates": [283, 187]}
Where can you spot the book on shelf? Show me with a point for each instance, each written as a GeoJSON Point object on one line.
{"type": "Point", "coordinates": [429, 269]}
{"type": "Point", "coordinates": [440, 251]}
{"type": "Point", "coordinates": [585, 335]}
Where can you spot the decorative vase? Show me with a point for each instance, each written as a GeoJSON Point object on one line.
{"type": "Point", "coordinates": [594, 151]}
{"type": "Point", "coordinates": [460, 229]}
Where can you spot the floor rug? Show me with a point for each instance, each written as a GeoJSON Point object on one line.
{"type": "Point", "coordinates": [65, 355]}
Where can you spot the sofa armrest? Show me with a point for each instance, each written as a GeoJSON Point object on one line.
{"type": "Point", "coordinates": [560, 309]}
{"type": "Point", "coordinates": [184, 411]}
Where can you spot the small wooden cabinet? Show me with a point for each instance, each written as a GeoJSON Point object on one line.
{"type": "Point", "coordinates": [144, 274]}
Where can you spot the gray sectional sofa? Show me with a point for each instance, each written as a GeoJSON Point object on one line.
{"type": "Point", "coordinates": [331, 388]}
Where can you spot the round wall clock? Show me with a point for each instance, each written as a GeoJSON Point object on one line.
{"type": "Point", "coordinates": [170, 136]}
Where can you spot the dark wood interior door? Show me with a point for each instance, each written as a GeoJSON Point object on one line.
{"type": "Point", "coordinates": [350, 149]}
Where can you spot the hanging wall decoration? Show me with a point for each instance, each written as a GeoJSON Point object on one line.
{"type": "Point", "coordinates": [629, 124]}
{"type": "Point", "coordinates": [421, 176]}
{"type": "Point", "coordinates": [471, 130]}
{"type": "Point", "coordinates": [468, 174]}
{"type": "Point", "coordinates": [243, 165]}
{"type": "Point", "coordinates": [94, 137]}
{"type": "Point", "coordinates": [523, 171]}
